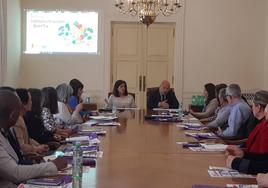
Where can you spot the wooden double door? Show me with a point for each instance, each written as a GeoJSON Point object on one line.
{"type": "Point", "coordinates": [142, 56]}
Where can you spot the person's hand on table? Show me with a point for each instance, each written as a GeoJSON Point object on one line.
{"type": "Point", "coordinates": [234, 150]}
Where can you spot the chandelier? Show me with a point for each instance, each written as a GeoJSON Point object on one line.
{"type": "Point", "coordinates": [147, 10]}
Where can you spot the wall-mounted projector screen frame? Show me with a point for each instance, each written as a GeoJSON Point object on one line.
{"type": "Point", "coordinates": [61, 31]}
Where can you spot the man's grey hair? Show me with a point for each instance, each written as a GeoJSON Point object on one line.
{"type": "Point", "coordinates": [234, 91]}
{"type": "Point", "coordinates": [64, 92]}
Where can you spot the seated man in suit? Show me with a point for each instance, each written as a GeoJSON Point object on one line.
{"type": "Point", "coordinates": [163, 97]}
{"type": "Point", "coordinates": [12, 173]}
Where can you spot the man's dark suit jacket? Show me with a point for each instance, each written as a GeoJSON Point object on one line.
{"type": "Point", "coordinates": [155, 97]}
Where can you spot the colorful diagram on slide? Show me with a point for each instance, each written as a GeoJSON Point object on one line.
{"type": "Point", "coordinates": [75, 33]}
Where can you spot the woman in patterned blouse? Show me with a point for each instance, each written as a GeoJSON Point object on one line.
{"type": "Point", "coordinates": [50, 107]}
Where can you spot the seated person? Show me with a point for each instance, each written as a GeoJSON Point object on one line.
{"type": "Point", "coordinates": [64, 93]}
{"type": "Point", "coordinates": [12, 173]}
{"type": "Point", "coordinates": [257, 142]}
{"type": "Point", "coordinates": [223, 112]}
{"type": "Point", "coordinates": [27, 144]}
{"type": "Point", "coordinates": [211, 103]}
{"type": "Point", "coordinates": [163, 97]}
{"type": "Point", "coordinates": [76, 98]}
{"type": "Point", "coordinates": [49, 107]}
{"type": "Point", "coordinates": [120, 97]}
{"type": "Point", "coordinates": [34, 121]}
{"type": "Point", "coordinates": [240, 114]}
{"type": "Point", "coordinates": [217, 91]}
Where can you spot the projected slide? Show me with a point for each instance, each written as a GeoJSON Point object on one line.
{"type": "Point", "coordinates": [61, 31]}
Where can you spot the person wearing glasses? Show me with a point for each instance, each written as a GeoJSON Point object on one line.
{"type": "Point", "coordinates": [240, 115]}
{"type": "Point", "coordinates": [253, 158]}
{"type": "Point", "coordinates": [223, 112]}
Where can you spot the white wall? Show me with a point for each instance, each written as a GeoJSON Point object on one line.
{"type": "Point", "coordinates": [92, 70]}
{"type": "Point", "coordinates": [13, 43]}
{"type": "Point", "coordinates": [217, 41]}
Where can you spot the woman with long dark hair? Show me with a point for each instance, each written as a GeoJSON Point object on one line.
{"type": "Point", "coordinates": [211, 103]}
{"type": "Point", "coordinates": [76, 99]}
{"type": "Point", "coordinates": [34, 121]}
{"type": "Point", "coordinates": [27, 144]}
{"type": "Point", "coordinates": [120, 97]}
{"type": "Point", "coordinates": [49, 108]}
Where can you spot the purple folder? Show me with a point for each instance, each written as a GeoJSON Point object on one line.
{"type": "Point", "coordinates": [50, 181]}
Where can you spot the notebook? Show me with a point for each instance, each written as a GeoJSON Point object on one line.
{"type": "Point", "coordinates": [52, 181]}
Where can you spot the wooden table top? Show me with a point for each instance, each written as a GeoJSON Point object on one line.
{"type": "Point", "coordinates": [144, 154]}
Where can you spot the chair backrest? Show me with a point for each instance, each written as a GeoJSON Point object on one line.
{"type": "Point", "coordinates": [149, 91]}
{"type": "Point", "coordinates": [133, 94]}
{"type": "Point", "coordinates": [248, 97]}
{"type": "Point", "coordinates": [152, 89]}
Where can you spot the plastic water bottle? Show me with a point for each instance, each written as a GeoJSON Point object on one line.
{"type": "Point", "coordinates": [87, 100]}
{"type": "Point", "coordinates": [180, 111]}
{"type": "Point", "coordinates": [114, 110]}
{"type": "Point", "coordinates": [77, 170]}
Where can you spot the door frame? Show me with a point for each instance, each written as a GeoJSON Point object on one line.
{"type": "Point", "coordinates": [179, 21]}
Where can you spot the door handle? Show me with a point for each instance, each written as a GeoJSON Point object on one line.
{"type": "Point", "coordinates": [144, 83]}
{"type": "Point", "coordinates": [140, 80]}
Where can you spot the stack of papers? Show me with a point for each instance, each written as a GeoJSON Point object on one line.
{"type": "Point", "coordinates": [162, 115]}
{"type": "Point", "coordinates": [84, 140]}
{"type": "Point", "coordinates": [221, 172]}
{"type": "Point", "coordinates": [84, 148]}
{"type": "Point", "coordinates": [102, 121]}
{"type": "Point", "coordinates": [103, 118]}
{"type": "Point", "coordinates": [86, 154]}
{"type": "Point", "coordinates": [189, 119]}
{"type": "Point", "coordinates": [201, 135]}
{"type": "Point", "coordinates": [241, 186]}
{"type": "Point", "coordinates": [110, 123]}
{"type": "Point", "coordinates": [165, 110]}
{"type": "Point", "coordinates": [191, 126]}
{"type": "Point", "coordinates": [210, 148]}
{"type": "Point", "coordinates": [87, 130]}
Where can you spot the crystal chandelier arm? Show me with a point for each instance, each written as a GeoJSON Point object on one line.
{"type": "Point", "coordinates": [126, 7]}
{"type": "Point", "coordinates": [170, 8]}
{"type": "Point", "coordinates": [148, 10]}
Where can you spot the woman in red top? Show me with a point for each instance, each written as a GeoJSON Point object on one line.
{"type": "Point", "coordinates": [257, 142]}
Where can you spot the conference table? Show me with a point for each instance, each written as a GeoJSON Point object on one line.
{"type": "Point", "coordinates": [143, 154]}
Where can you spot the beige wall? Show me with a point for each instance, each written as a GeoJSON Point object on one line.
{"type": "Point", "coordinates": [265, 70]}
{"type": "Point", "coordinates": [13, 43]}
{"type": "Point", "coordinates": [224, 42]}
{"type": "Point", "coordinates": [217, 41]}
